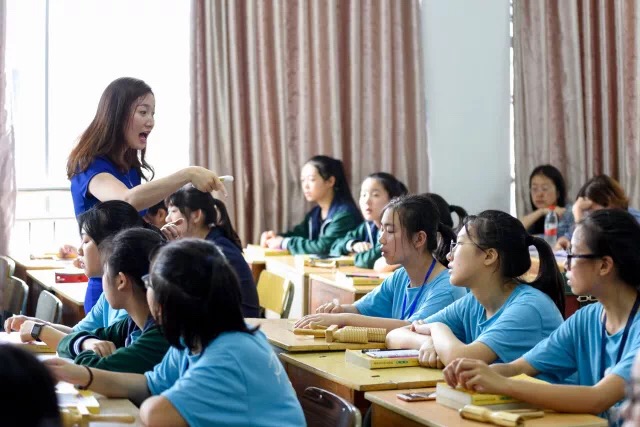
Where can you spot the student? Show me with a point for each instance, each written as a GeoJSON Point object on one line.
{"type": "Point", "coordinates": [134, 344]}
{"type": "Point", "coordinates": [503, 316]}
{"type": "Point", "coordinates": [546, 188]}
{"type": "Point", "coordinates": [599, 192]}
{"type": "Point", "coordinates": [108, 160]}
{"type": "Point", "coordinates": [446, 210]}
{"type": "Point", "coordinates": [324, 183]}
{"type": "Point", "coordinates": [598, 342]}
{"type": "Point", "coordinates": [100, 222]}
{"type": "Point", "coordinates": [376, 191]}
{"type": "Point", "coordinates": [156, 214]}
{"type": "Point", "coordinates": [29, 397]}
{"type": "Point", "coordinates": [198, 214]}
{"type": "Point", "coordinates": [218, 371]}
{"type": "Point", "coordinates": [409, 237]}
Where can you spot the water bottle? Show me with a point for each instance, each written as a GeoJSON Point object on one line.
{"type": "Point", "coordinates": [551, 227]}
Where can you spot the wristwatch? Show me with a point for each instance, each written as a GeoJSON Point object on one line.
{"type": "Point", "coordinates": [36, 330]}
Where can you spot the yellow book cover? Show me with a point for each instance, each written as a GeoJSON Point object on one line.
{"type": "Point", "coordinates": [322, 262]}
{"type": "Point", "coordinates": [358, 279]}
{"type": "Point", "coordinates": [258, 252]}
{"type": "Point", "coordinates": [69, 397]}
{"type": "Point", "coordinates": [357, 357]}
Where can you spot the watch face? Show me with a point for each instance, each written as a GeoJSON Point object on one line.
{"type": "Point", "coordinates": [35, 331]}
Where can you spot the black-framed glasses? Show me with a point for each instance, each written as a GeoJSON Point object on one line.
{"type": "Point", "coordinates": [146, 280]}
{"type": "Point", "coordinates": [571, 256]}
{"type": "Point", "coordinates": [455, 244]}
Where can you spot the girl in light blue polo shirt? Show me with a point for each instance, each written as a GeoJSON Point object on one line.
{"type": "Point", "coordinates": [597, 344]}
{"type": "Point", "coordinates": [218, 370]}
{"type": "Point", "coordinates": [503, 316]}
{"type": "Point", "coordinates": [408, 236]}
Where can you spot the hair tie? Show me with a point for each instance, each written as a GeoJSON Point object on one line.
{"type": "Point", "coordinates": [529, 240]}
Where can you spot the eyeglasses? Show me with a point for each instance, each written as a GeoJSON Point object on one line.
{"type": "Point", "coordinates": [146, 280]}
{"type": "Point", "coordinates": [571, 256]}
{"type": "Point", "coordinates": [455, 244]}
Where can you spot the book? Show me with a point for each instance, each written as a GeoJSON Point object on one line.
{"type": "Point", "coordinates": [358, 279]}
{"type": "Point", "coordinates": [70, 277]}
{"type": "Point", "coordinates": [360, 358]}
{"type": "Point", "coordinates": [34, 346]}
{"type": "Point", "coordinates": [456, 398]}
{"type": "Point", "coordinates": [258, 252]}
{"type": "Point", "coordinates": [69, 397]}
{"type": "Point", "coordinates": [323, 262]}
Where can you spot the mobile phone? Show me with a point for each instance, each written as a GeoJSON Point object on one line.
{"type": "Point", "coordinates": [416, 397]}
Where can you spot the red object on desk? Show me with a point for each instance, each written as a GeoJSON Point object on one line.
{"type": "Point", "coordinates": [62, 277]}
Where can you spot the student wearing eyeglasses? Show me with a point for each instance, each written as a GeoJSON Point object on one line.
{"type": "Point", "coordinates": [409, 236]}
{"type": "Point", "coordinates": [597, 344]}
{"type": "Point", "coordinates": [503, 316]}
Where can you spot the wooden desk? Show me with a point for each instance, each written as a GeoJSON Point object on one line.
{"type": "Point", "coordinates": [24, 263]}
{"type": "Point", "coordinates": [279, 334]}
{"type": "Point", "coordinates": [330, 371]}
{"type": "Point", "coordinates": [117, 406]}
{"type": "Point", "coordinates": [324, 288]}
{"type": "Point", "coordinates": [388, 410]}
{"type": "Point", "coordinates": [71, 294]}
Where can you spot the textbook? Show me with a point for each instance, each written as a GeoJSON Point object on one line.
{"type": "Point", "coordinates": [323, 262]}
{"type": "Point", "coordinates": [32, 347]}
{"type": "Point", "coordinates": [396, 358]}
{"type": "Point", "coordinates": [258, 252]}
{"type": "Point", "coordinates": [358, 279]}
{"type": "Point", "coordinates": [69, 397]}
{"type": "Point", "coordinates": [456, 398]}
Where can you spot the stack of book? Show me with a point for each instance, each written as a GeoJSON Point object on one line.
{"type": "Point", "coordinates": [358, 279]}
{"type": "Point", "coordinates": [323, 262]}
{"type": "Point", "coordinates": [377, 359]}
{"type": "Point", "coordinates": [257, 252]}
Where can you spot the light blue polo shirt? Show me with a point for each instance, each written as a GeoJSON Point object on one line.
{"type": "Point", "coordinates": [575, 347]}
{"type": "Point", "coordinates": [236, 381]}
{"type": "Point", "coordinates": [387, 300]}
{"type": "Point", "coordinates": [100, 316]}
{"type": "Point", "coordinates": [526, 318]}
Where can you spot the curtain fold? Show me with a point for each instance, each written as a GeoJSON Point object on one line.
{"type": "Point", "coordinates": [576, 92]}
{"type": "Point", "coordinates": [276, 82]}
{"type": "Point", "coordinates": [7, 152]}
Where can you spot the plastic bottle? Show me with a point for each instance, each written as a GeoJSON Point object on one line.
{"type": "Point", "coordinates": [551, 227]}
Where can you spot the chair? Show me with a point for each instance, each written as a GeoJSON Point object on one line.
{"type": "Point", "coordinates": [7, 268]}
{"type": "Point", "coordinates": [275, 293]}
{"type": "Point", "coordinates": [325, 409]}
{"type": "Point", "coordinates": [49, 308]}
{"type": "Point", "coordinates": [15, 297]}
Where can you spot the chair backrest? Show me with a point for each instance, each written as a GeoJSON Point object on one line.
{"type": "Point", "coordinates": [275, 293]}
{"type": "Point", "coordinates": [49, 307]}
{"type": "Point", "coordinates": [325, 409]}
{"type": "Point", "coordinates": [15, 296]}
{"type": "Point", "coordinates": [7, 268]}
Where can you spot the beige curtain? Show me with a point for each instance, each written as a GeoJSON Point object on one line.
{"type": "Point", "coordinates": [576, 92]}
{"type": "Point", "coordinates": [7, 160]}
{"type": "Point", "coordinates": [276, 82]}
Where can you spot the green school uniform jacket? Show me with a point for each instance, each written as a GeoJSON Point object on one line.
{"type": "Point", "coordinates": [363, 259]}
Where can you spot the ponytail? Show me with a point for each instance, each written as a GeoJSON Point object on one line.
{"type": "Point", "coordinates": [458, 210]}
{"type": "Point", "coordinates": [549, 279]}
{"type": "Point", "coordinates": [446, 236]}
{"type": "Point", "coordinates": [224, 223]}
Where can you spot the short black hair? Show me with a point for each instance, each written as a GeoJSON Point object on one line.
{"type": "Point", "coordinates": [155, 208]}
{"type": "Point", "coordinates": [392, 185]}
{"type": "Point", "coordinates": [198, 291]}
{"type": "Point", "coordinates": [29, 397]}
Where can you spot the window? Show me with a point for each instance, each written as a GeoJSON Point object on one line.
{"type": "Point", "coordinates": [60, 56]}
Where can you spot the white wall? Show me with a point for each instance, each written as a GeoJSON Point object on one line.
{"type": "Point", "coordinates": [466, 66]}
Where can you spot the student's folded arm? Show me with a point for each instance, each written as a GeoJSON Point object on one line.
{"type": "Point", "coordinates": [51, 336]}
{"type": "Point", "coordinates": [367, 259]}
{"type": "Point", "coordinates": [340, 225]}
{"type": "Point", "coordinates": [449, 347]}
{"type": "Point", "coordinates": [517, 367]}
{"type": "Point", "coordinates": [157, 411]}
{"type": "Point", "coordinates": [373, 322]}
{"type": "Point", "coordinates": [339, 246]}
{"type": "Point", "coordinates": [300, 230]}
{"type": "Point", "coordinates": [405, 338]}
{"type": "Point", "coordinates": [120, 385]}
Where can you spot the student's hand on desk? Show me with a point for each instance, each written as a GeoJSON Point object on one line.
{"type": "Point", "coordinates": [68, 252]}
{"type": "Point", "coordinates": [171, 231]}
{"type": "Point", "coordinates": [266, 236]}
{"type": "Point", "coordinates": [205, 180]}
{"type": "Point", "coordinates": [14, 323]}
{"type": "Point", "coordinates": [101, 348]}
{"type": "Point", "coordinates": [428, 356]}
{"type": "Point", "coordinates": [419, 327]}
{"type": "Point", "coordinates": [275, 242]}
{"type": "Point", "coordinates": [67, 371]}
{"type": "Point", "coordinates": [25, 331]}
{"type": "Point", "coordinates": [330, 307]}
{"type": "Point", "coordinates": [361, 247]}
{"type": "Point", "coordinates": [325, 319]}
{"type": "Point", "coordinates": [475, 375]}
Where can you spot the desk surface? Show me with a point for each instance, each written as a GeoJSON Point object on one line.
{"type": "Point", "coordinates": [435, 415]}
{"type": "Point", "coordinates": [279, 334]}
{"type": "Point", "coordinates": [117, 406]}
{"type": "Point", "coordinates": [25, 262]}
{"type": "Point", "coordinates": [332, 366]}
{"type": "Point", "coordinates": [74, 292]}
{"type": "Point", "coordinates": [330, 279]}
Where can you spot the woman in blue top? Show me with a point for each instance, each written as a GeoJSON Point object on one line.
{"type": "Point", "coordinates": [376, 191]}
{"type": "Point", "coordinates": [325, 183]}
{"type": "Point", "coordinates": [197, 214]}
{"type": "Point", "coordinates": [598, 343]}
{"type": "Point", "coordinates": [503, 316]}
{"type": "Point", "coordinates": [600, 192]}
{"type": "Point", "coordinates": [218, 371]}
{"type": "Point", "coordinates": [108, 160]}
{"type": "Point", "coordinates": [409, 237]}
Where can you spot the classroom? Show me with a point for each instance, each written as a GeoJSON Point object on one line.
{"type": "Point", "coordinates": [345, 213]}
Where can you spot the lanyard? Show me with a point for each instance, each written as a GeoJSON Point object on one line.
{"type": "Point", "coordinates": [412, 308]}
{"type": "Point", "coordinates": [623, 341]}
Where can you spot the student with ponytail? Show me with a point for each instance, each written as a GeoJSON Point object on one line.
{"type": "Point", "coordinates": [503, 316]}
{"type": "Point", "coordinates": [409, 237]}
{"type": "Point", "coordinates": [200, 215]}
{"type": "Point", "coordinates": [376, 191]}
{"type": "Point", "coordinates": [446, 210]}
{"type": "Point", "coordinates": [597, 344]}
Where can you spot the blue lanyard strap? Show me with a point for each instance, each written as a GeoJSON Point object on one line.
{"type": "Point", "coordinates": [623, 341]}
{"type": "Point", "coordinates": [412, 308]}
